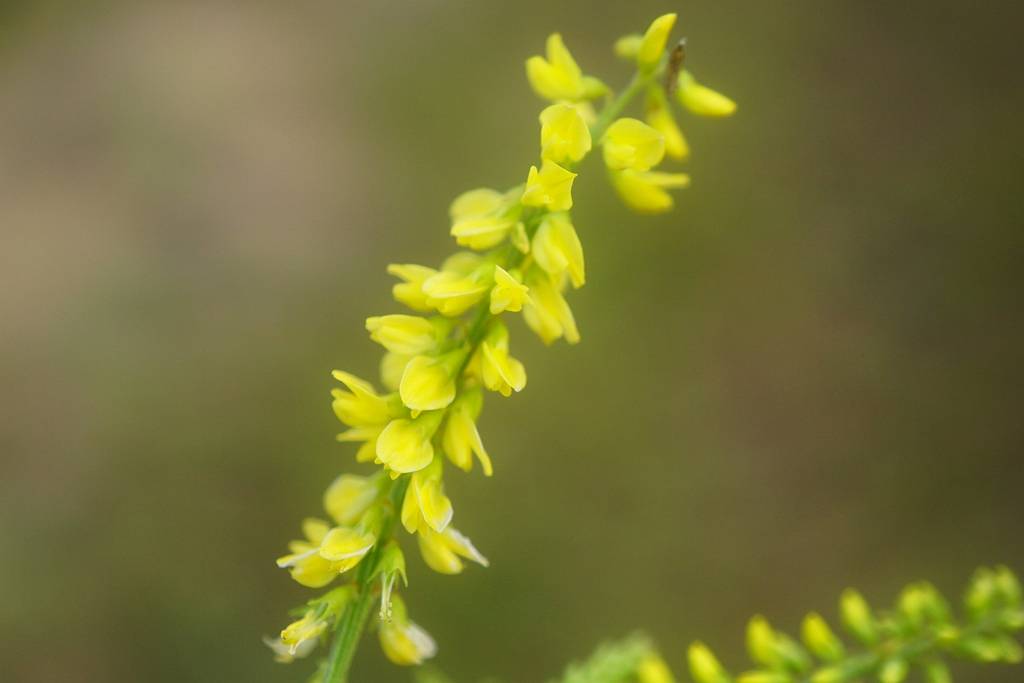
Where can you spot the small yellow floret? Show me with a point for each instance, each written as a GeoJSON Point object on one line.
{"type": "Point", "coordinates": [644, 191]}
{"type": "Point", "coordinates": [557, 248]}
{"type": "Point", "coordinates": [564, 135]}
{"type": "Point", "coordinates": [631, 143]}
{"type": "Point", "coordinates": [702, 100]}
{"type": "Point", "coordinates": [653, 43]}
{"type": "Point", "coordinates": [550, 187]}
{"type": "Point", "coordinates": [508, 294]}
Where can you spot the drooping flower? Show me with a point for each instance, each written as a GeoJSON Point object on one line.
{"type": "Point", "coordinates": [410, 290]}
{"type": "Point", "coordinates": [463, 281]}
{"type": "Point", "coordinates": [652, 45]}
{"type": "Point", "coordinates": [403, 641]}
{"type": "Point", "coordinates": [405, 444]}
{"type": "Point", "coordinates": [702, 100]}
{"type": "Point", "coordinates": [509, 293]}
{"type": "Point", "coordinates": [428, 382]}
{"type": "Point", "coordinates": [558, 77]}
{"type": "Point", "coordinates": [349, 496]}
{"type": "Point", "coordinates": [309, 566]}
{"type": "Point", "coordinates": [443, 551]}
{"type": "Point", "coordinates": [557, 248]}
{"type": "Point", "coordinates": [550, 187]}
{"type": "Point", "coordinates": [631, 143]}
{"type": "Point", "coordinates": [425, 504]}
{"type": "Point", "coordinates": [660, 118]}
{"type": "Point", "coordinates": [483, 218]}
{"type": "Point", "coordinates": [644, 191]}
{"type": "Point", "coordinates": [460, 438]}
{"type": "Point", "coordinates": [564, 134]}
{"type": "Point", "coordinates": [497, 369]}
{"type": "Point", "coordinates": [548, 313]}
{"type": "Point", "coordinates": [308, 628]}
{"type": "Point", "coordinates": [408, 334]}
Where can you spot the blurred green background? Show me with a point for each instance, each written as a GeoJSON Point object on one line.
{"type": "Point", "coordinates": [807, 376]}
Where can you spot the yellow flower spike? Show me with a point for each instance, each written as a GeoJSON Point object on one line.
{"type": "Point", "coordinates": [482, 218]}
{"type": "Point", "coordinates": [644, 191]}
{"type": "Point", "coordinates": [443, 551]}
{"type": "Point", "coordinates": [550, 187]}
{"type": "Point", "coordinates": [653, 669]}
{"type": "Point", "coordinates": [557, 248]}
{"type": "Point", "coordinates": [660, 118]}
{"type": "Point", "coordinates": [360, 406]}
{"type": "Point", "coordinates": [548, 314]}
{"type": "Point", "coordinates": [702, 100]}
{"type": "Point", "coordinates": [309, 627]}
{"type": "Point", "coordinates": [628, 46]}
{"type": "Point", "coordinates": [425, 504]}
{"type": "Point", "coordinates": [303, 562]}
{"type": "Point", "coordinates": [631, 143]}
{"type": "Point", "coordinates": [345, 547]}
{"type": "Point", "coordinates": [559, 76]}
{"type": "Point", "coordinates": [508, 294]}
{"type": "Point", "coordinates": [392, 365]}
{"type": "Point", "coordinates": [349, 496]}
{"type": "Point", "coordinates": [404, 642]}
{"type": "Point", "coordinates": [564, 135]}
{"type": "Point", "coordinates": [428, 383]}
{"type": "Point", "coordinates": [410, 290]}
{"type": "Point", "coordinates": [652, 45]}
{"type": "Point", "coordinates": [460, 438]}
{"type": "Point", "coordinates": [408, 334]}
{"type": "Point", "coordinates": [404, 445]}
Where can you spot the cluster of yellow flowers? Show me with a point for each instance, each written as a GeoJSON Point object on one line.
{"type": "Point", "coordinates": [522, 253]}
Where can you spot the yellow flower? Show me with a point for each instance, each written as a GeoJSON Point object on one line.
{"type": "Point", "coordinates": [557, 248]}
{"type": "Point", "coordinates": [410, 290]}
{"type": "Point", "coordinates": [644, 191]}
{"type": "Point", "coordinates": [442, 551]}
{"type": "Point", "coordinates": [548, 314]}
{"type": "Point", "coordinates": [349, 496]}
{"type": "Point", "coordinates": [392, 365]}
{"type": "Point", "coordinates": [508, 293]}
{"type": "Point", "coordinates": [368, 435]}
{"type": "Point", "coordinates": [408, 334]}
{"type": "Point", "coordinates": [360, 406]}
{"type": "Point", "coordinates": [308, 628]}
{"type": "Point", "coordinates": [428, 383]}
{"type": "Point", "coordinates": [404, 445]}
{"type": "Point", "coordinates": [283, 653]}
{"type": "Point", "coordinates": [653, 669]}
{"type": "Point", "coordinates": [550, 187]}
{"type": "Point", "coordinates": [482, 218]}
{"type": "Point", "coordinates": [403, 641]}
{"type": "Point", "coordinates": [653, 43]}
{"type": "Point", "coordinates": [460, 438]}
{"type": "Point", "coordinates": [425, 504]}
{"type": "Point", "coordinates": [345, 546]}
{"type": "Point", "coordinates": [631, 143]}
{"type": "Point", "coordinates": [559, 77]}
{"type": "Point", "coordinates": [704, 666]}
{"type": "Point", "coordinates": [304, 562]}
{"type": "Point", "coordinates": [628, 46]}
{"type": "Point", "coordinates": [702, 100]}
{"type": "Point", "coordinates": [464, 280]}
{"type": "Point", "coordinates": [660, 118]}
{"type": "Point", "coordinates": [564, 135]}
{"type": "Point", "coordinates": [499, 371]}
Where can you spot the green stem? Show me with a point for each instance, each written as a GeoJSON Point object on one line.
{"type": "Point", "coordinates": [614, 108]}
{"type": "Point", "coordinates": [353, 620]}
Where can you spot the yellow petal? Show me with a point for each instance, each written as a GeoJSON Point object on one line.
{"type": "Point", "coordinates": [702, 100]}
{"type": "Point", "coordinates": [549, 187]}
{"type": "Point", "coordinates": [564, 135]}
{"type": "Point", "coordinates": [653, 43]}
{"type": "Point", "coordinates": [631, 143]}
{"type": "Point", "coordinates": [427, 383]}
{"type": "Point", "coordinates": [557, 248]}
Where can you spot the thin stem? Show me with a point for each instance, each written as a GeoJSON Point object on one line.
{"type": "Point", "coordinates": [353, 620]}
{"type": "Point", "coordinates": [614, 108]}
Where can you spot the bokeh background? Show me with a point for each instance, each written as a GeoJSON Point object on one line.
{"type": "Point", "coordinates": [808, 376]}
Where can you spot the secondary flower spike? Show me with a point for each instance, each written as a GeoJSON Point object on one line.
{"type": "Point", "coordinates": [520, 251]}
